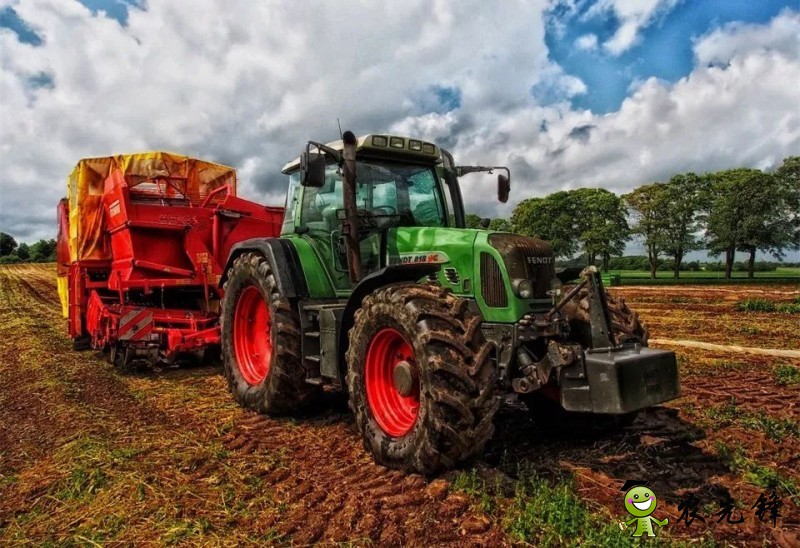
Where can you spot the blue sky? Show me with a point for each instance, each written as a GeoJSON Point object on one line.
{"type": "Point", "coordinates": [567, 93]}
{"type": "Point", "coordinates": [10, 20]}
{"type": "Point", "coordinates": [664, 49]}
{"type": "Point", "coordinates": [116, 9]}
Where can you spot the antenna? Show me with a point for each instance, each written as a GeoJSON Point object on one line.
{"type": "Point", "coordinates": [340, 129]}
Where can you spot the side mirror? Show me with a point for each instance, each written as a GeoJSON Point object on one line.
{"type": "Point", "coordinates": [485, 222]}
{"type": "Point", "coordinates": [503, 187]}
{"type": "Point", "coordinates": [312, 169]}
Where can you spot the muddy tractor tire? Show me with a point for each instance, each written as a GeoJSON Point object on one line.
{"type": "Point", "coordinates": [261, 341]}
{"type": "Point", "coordinates": [624, 321]}
{"type": "Point", "coordinates": [545, 404]}
{"type": "Point", "coordinates": [421, 378]}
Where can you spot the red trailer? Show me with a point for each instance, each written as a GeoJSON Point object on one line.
{"type": "Point", "coordinates": [142, 242]}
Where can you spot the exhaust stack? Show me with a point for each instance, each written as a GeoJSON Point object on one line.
{"type": "Point", "coordinates": [350, 225]}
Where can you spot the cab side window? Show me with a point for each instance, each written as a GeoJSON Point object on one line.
{"type": "Point", "coordinates": [426, 201]}
{"type": "Point", "coordinates": [292, 200]}
{"type": "Point", "coordinates": [320, 204]}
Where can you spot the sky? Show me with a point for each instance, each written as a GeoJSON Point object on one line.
{"type": "Point", "coordinates": [567, 93]}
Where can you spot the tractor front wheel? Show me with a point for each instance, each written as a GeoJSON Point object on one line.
{"type": "Point", "coordinates": [421, 378]}
{"type": "Point", "coordinates": [625, 322]}
{"type": "Point", "coordinates": [261, 341]}
{"type": "Point", "coordinates": [545, 404]}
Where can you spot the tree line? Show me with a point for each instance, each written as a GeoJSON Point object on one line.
{"type": "Point", "coordinates": [43, 251]}
{"type": "Point", "coordinates": [724, 212]}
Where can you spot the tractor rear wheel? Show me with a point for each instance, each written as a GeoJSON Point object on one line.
{"type": "Point", "coordinates": [545, 404]}
{"type": "Point", "coordinates": [261, 341]}
{"type": "Point", "coordinates": [421, 378]}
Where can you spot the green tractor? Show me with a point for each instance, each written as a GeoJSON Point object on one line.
{"type": "Point", "coordinates": [375, 287]}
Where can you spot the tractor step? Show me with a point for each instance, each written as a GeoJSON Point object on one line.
{"type": "Point", "coordinates": [320, 322]}
{"type": "Point", "coordinates": [321, 306]}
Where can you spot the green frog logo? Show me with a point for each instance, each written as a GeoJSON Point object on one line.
{"type": "Point", "coordinates": [640, 502]}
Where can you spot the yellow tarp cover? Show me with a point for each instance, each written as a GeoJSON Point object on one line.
{"type": "Point", "coordinates": [195, 178]}
{"type": "Point", "coordinates": [62, 282]}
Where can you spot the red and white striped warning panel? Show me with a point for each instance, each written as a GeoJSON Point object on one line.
{"type": "Point", "coordinates": [135, 325]}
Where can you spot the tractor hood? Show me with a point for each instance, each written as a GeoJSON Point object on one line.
{"type": "Point", "coordinates": [446, 246]}
{"type": "Point", "coordinates": [526, 258]}
{"type": "Point", "coordinates": [479, 264]}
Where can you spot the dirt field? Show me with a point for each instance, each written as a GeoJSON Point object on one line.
{"type": "Point", "coordinates": [89, 456]}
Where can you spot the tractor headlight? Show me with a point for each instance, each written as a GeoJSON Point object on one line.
{"type": "Point", "coordinates": [523, 289]}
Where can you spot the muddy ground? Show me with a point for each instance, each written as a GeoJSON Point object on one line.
{"type": "Point", "coordinates": [91, 456]}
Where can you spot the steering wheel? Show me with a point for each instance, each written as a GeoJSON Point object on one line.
{"type": "Point", "coordinates": [366, 220]}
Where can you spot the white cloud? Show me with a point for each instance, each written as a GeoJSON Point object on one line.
{"type": "Point", "coordinates": [633, 16]}
{"type": "Point", "coordinates": [742, 114]}
{"type": "Point", "coordinates": [245, 83]}
{"type": "Point", "coordinates": [722, 45]}
{"type": "Point", "coordinates": [249, 84]}
{"type": "Point", "coordinates": [587, 42]}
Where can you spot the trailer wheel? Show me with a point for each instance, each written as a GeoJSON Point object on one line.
{"type": "Point", "coordinates": [421, 378]}
{"type": "Point", "coordinates": [122, 358]}
{"type": "Point", "coordinates": [84, 342]}
{"type": "Point", "coordinates": [261, 341]}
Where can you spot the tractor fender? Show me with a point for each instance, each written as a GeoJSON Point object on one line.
{"type": "Point", "coordinates": [283, 261]}
{"type": "Point", "coordinates": [380, 278]}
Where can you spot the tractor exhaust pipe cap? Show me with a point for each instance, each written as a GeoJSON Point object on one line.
{"type": "Point", "coordinates": [349, 138]}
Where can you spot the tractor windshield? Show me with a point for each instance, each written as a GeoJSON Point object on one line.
{"type": "Point", "coordinates": [387, 195]}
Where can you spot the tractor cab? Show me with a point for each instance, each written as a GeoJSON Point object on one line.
{"type": "Point", "coordinates": [399, 183]}
{"type": "Point", "coordinates": [388, 195]}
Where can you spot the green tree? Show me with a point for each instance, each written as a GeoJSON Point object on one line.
{"type": "Point", "coordinates": [647, 205]}
{"type": "Point", "coordinates": [749, 211]}
{"type": "Point", "coordinates": [7, 244]}
{"type": "Point", "coordinates": [587, 219]}
{"type": "Point", "coordinates": [771, 225]}
{"type": "Point", "coordinates": [500, 225]}
{"type": "Point", "coordinates": [43, 251]}
{"type": "Point", "coordinates": [788, 177]}
{"type": "Point", "coordinates": [472, 220]}
{"type": "Point", "coordinates": [727, 205]}
{"type": "Point", "coordinates": [23, 252]}
{"type": "Point", "coordinates": [789, 173]}
{"type": "Point", "coordinates": [683, 204]}
{"type": "Point", "coordinates": [553, 218]}
{"type": "Point", "coordinates": [603, 228]}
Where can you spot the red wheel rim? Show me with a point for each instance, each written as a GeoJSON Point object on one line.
{"type": "Point", "coordinates": [394, 413]}
{"type": "Point", "coordinates": [251, 343]}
